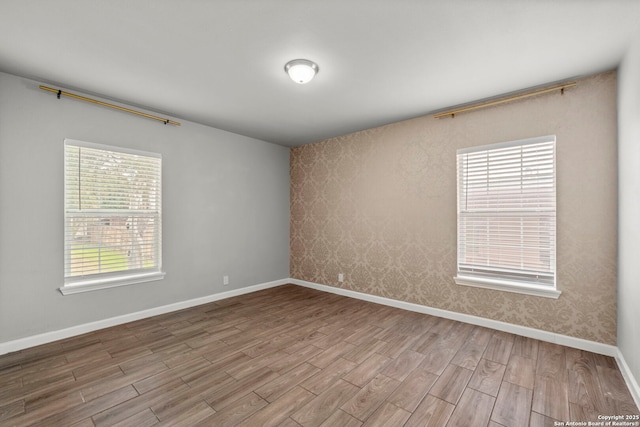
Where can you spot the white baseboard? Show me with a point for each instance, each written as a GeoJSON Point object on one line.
{"type": "Point", "coordinates": [632, 384]}
{"type": "Point", "coordinates": [579, 343]}
{"type": "Point", "coordinates": [47, 337]}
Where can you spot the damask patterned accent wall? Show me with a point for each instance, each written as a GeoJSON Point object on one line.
{"type": "Point", "coordinates": [380, 207]}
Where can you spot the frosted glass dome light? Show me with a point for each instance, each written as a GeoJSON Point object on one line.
{"type": "Point", "coordinates": [301, 71]}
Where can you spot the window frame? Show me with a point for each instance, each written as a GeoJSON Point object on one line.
{"type": "Point", "coordinates": [97, 281]}
{"type": "Point", "coordinates": [491, 278]}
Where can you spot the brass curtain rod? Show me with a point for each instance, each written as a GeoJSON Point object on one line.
{"type": "Point", "coordinates": [104, 104]}
{"type": "Point", "coordinates": [452, 113]}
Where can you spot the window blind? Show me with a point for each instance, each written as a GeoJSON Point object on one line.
{"type": "Point", "coordinates": [112, 211]}
{"type": "Point", "coordinates": [507, 211]}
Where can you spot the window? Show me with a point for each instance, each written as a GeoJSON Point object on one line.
{"type": "Point", "coordinates": [507, 216]}
{"type": "Point", "coordinates": [112, 217]}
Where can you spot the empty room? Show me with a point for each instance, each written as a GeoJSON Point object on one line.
{"type": "Point", "coordinates": [320, 213]}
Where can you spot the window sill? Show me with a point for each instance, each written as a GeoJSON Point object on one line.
{"type": "Point", "coordinates": [508, 286]}
{"type": "Point", "coordinates": [87, 285]}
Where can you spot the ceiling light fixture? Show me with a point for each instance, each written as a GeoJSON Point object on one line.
{"type": "Point", "coordinates": [301, 71]}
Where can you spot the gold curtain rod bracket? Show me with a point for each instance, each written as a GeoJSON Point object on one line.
{"type": "Point", "coordinates": [59, 92]}
{"type": "Point", "coordinates": [452, 113]}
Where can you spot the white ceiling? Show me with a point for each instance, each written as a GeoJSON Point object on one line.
{"type": "Point", "coordinates": [221, 62]}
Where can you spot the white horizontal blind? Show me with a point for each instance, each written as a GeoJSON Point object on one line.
{"type": "Point", "coordinates": [112, 211]}
{"type": "Point", "coordinates": [507, 211]}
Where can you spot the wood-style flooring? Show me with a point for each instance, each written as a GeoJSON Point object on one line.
{"type": "Point", "coordinates": [292, 356]}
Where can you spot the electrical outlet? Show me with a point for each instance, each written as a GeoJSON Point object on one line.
{"type": "Point", "coordinates": [340, 277]}
{"type": "Point", "coordinates": [225, 280]}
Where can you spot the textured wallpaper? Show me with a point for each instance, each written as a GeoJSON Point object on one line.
{"type": "Point", "coordinates": [379, 206]}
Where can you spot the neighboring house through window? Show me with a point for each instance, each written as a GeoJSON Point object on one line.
{"type": "Point", "coordinates": [112, 217]}
{"type": "Point", "coordinates": [507, 216]}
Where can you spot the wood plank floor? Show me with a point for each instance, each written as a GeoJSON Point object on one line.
{"type": "Point", "coordinates": [292, 356]}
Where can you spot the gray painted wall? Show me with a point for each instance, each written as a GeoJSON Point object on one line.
{"type": "Point", "coordinates": [629, 208]}
{"type": "Point", "coordinates": [225, 209]}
